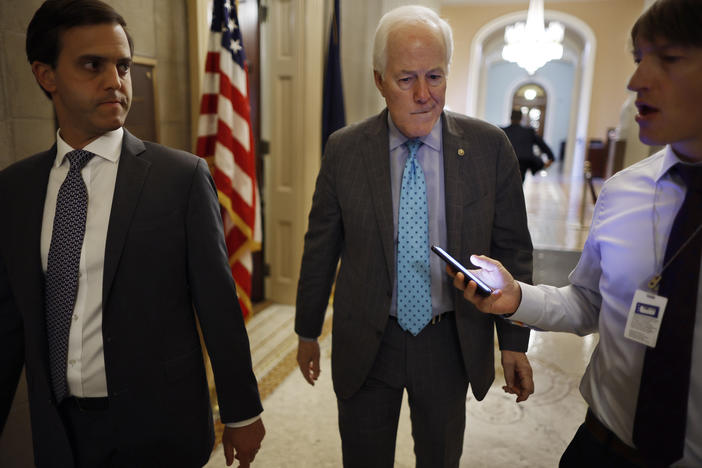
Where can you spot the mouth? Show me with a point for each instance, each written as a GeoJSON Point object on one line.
{"type": "Point", "coordinates": [422, 111]}
{"type": "Point", "coordinates": [646, 111]}
{"type": "Point", "coordinates": [114, 101]}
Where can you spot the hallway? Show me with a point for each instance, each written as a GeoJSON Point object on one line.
{"type": "Point", "coordinates": [301, 420]}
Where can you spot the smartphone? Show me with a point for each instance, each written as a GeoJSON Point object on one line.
{"type": "Point", "coordinates": [483, 289]}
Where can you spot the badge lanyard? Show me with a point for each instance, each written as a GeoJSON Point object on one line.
{"type": "Point", "coordinates": [654, 283]}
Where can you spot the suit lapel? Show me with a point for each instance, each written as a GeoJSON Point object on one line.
{"type": "Point", "coordinates": [28, 253]}
{"type": "Point", "coordinates": [462, 172]}
{"type": "Point", "coordinates": [29, 230]}
{"type": "Point", "coordinates": [376, 153]}
{"type": "Point", "coordinates": [453, 141]}
{"type": "Point", "coordinates": [131, 175]}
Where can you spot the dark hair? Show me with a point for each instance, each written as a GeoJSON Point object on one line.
{"type": "Point", "coordinates": [677, 21]}
{"type": "Point", "coordinates": [516, 115]}
{"type": "Point", "coordinates": [55, 16]}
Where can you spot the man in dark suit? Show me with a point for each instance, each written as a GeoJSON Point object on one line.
{"type": "Point", "coordinates": [523, 140]}
{"type": "Point", "coordinates": [104, 270]}
{"type": "Point", "coordinates": [389, 335]}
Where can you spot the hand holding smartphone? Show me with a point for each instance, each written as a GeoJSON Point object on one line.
{"type": "Point", "coordinates": [483, 289]}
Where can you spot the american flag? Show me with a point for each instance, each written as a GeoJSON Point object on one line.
{"type": "Point", "coordinates": [225, 140]}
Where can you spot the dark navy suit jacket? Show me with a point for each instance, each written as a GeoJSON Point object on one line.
{"type": "Point", "coordinates": [165, 262]}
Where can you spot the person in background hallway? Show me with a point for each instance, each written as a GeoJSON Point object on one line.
{"type": "Point", "coordinates": [104, 271]}
{"type": "Point", "coordinates": [523, 140]}
{"type": "Point", "coordinates": [398, 323]}
{"type": "Point", "coordinates": [644, 248]}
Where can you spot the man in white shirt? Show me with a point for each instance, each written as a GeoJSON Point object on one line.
{"type": "Point", "coordinates": [644, 401]}
{"type": "Point", "coordinates": [112, 252]}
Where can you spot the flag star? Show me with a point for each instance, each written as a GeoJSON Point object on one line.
{"type": "Point", "coordinates": [232, 24]}
{"type": "Point", "coordinates": [235, 46]}
{"type": "Point", "coordinates": [227, 4]}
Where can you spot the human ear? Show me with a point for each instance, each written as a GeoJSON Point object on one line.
{"type": "Point", "coordinates": [378, 78]}
{"type": "Point", "coordinates": [45, 76]}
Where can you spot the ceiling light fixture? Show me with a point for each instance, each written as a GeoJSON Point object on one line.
{"type": "Point", "coordinates": [530, 45]}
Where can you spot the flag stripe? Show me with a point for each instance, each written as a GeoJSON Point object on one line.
{"type": "Point", "coordinates": [225, 140]}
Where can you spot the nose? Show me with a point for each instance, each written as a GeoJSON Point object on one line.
{"type": "Point", "coordinates": [421, 90]}
{"type": "Point", "coordinates": [640, 78]}
{"type": "Point", "coordinates": [112, 78]}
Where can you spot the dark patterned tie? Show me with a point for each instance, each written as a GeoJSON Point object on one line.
{"type": "Point", "coordinates": [661, 412]}
{"type": "Point", "coordinates": [413, 275]}
{"type": "Point", "coordinates": [62, 267]}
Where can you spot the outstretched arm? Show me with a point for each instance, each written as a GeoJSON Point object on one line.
{"type": "Point", "coordinates": [506, 295]}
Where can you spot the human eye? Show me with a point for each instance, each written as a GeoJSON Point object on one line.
{"type": "Point", "coordinates": [670, 58]}
{"type": "Point", "coordinates": [435, 79]}
{"type": "Point", "coordinates": [92, 64]}
{"type": "Point", "coordinates": [405, 81]}
{"type": "Point", "coordinates": [124, 67]}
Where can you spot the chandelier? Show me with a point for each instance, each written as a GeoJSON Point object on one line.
{"type": "Point", "coordinates": [529, 44]}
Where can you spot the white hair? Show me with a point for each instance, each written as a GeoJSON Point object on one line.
{"type": "Point", "coordinates": [402, 16]}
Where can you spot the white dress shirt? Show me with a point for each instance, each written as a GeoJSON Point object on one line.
{"type": "Point", "coordinates": [85, 371]}
{"type": "Point", "coordinates": [625, 248]}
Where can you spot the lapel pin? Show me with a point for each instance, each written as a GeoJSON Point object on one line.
{"type": "Point", "coordinates": [461, 152]}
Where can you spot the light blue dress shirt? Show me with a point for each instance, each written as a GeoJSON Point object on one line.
{"type": "Point", "coordinates": [625, 248]}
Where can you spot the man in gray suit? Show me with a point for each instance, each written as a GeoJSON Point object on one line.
{"type": "Point", "coordinates": [390, 334]}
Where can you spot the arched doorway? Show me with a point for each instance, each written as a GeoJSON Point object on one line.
{"type": "Point", "coordinates": [582, 46]}
{"type": "Point", "coordinates": [531, 99]}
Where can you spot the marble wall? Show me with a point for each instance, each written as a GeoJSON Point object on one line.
{"type": "Point", "coordinates": [159, 30]}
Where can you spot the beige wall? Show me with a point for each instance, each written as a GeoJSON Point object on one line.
{"type": "Point", "coordinates": [159, 29]}
{"type": "Point", "coordinates": [610, 21]}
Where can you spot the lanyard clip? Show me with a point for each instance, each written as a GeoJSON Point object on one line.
{"type": "Point", "coordinates": [654, 283]}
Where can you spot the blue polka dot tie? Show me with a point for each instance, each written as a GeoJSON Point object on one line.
{"type": "Point", "coordinates": [62, 267]}
{"type": "Point", "coordinates": [413, 278]}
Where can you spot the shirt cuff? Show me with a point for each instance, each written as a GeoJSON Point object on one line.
{"type": "Point", "coordinates": [245, 422]}
{"type": "Point", "coordinates": [304, 338]}
{"type": "Point", "coordinates": [530, 307]}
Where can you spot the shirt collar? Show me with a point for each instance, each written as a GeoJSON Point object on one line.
{"type": "Point", "coordinates": [670, 159]}
{"type": "Point", "coordinates": [432, 140]}
{"type": "Point", "coordinates": [107, 146]}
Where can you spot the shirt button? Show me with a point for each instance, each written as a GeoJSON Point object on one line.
{"type": "Point", "coordinates": [75, 317]}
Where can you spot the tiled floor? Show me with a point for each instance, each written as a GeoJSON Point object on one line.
{"type": "Point", "coordinates": [301, 420]}
{"type": "Point", "coordinates": [559, 212]}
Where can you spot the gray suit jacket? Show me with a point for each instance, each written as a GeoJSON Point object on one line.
{"type": "Point", "coordinates": [165, 258]}
{"type": "Point", "coordinates": [351, 219]}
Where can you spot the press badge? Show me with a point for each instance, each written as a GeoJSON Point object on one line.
{"type": "Point", "coordinates": [645, 317]}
